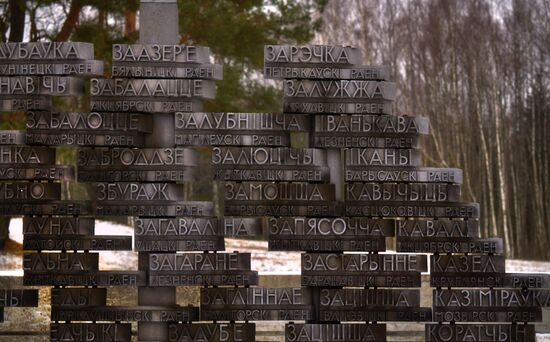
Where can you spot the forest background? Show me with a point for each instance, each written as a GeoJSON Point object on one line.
{"type": "Point", "coordinates": [479, 69]}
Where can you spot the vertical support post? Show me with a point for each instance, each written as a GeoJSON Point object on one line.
{"type": "Point", "coordinates": [158, 24]}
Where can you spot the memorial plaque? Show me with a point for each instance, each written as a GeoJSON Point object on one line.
{"type": "Point", "coordinates": [277, 192]}
{"type": "Point", "coordinates": [78, 297]}
{"type": "Point", "coordinates": [18, 298]}
{"type": "Point", "coordinates": [328, 107]}
{"type": "Point", "coordinates": [339, 90]}
{"type": "Point", "coordinates": [328, 234]}
{"type": "Point", "coordinates": [425, 192]}
{"type": "Point", "coordinates": [167, 70]}
{"type": "Point", "coordinates": [234, 122]}
{"type": "Point", "coordinates": [304, 55]}
{"type": "Point", "coordinates": [189, 227]}
{"type": "Point", "coordinates": [400, 174]}
{"type": "Point", "coordinates": [160, 209]}
{"type": "Point", "coordinates": [43, 137]}
{"type": "Point", "coordinates": [157, 53]}
{"type": "Point", "coordinates": [373, 299]}
{"type": "Point", "coordinates": [240, 226]}
{"type": "Point", "coordinates": [45, 51]}
{"type": "Point", "coordinates": [237, 129]}
{"type": "Point", "coordinates": [422, 228]}
{"type": "Point", "coordinates": [481, 314]}
{"type": "Point", "coordinates": [334, 313]}
{"type": "Point", "coordinates": [135, 159]}
{"type": "Point", "coordinates": [359, 140]}
{"type": "Point", "coordinates": [89, 122]}
{"type": "Point", "coordinates": [127, 313]}
{"type": "Point", "coordinates": [288, 208]}
{"type": "Point", "coordinates": [78, 242]}
{"type": "Point", "coordinates": [267, 156]}
{"type": "Point", "coordinates": [256, 304]}
{"type": "Point", "coordinates": [26, 155]}
{"type": "Point", "coordinates": [332, 263]}
{"type": "Point", "coordinates": [381, 157]}
{"type": "Point", "coordinates": [171, 244]}
{"type": "Point", "coordinates": [272, 173]}
{"type": "Point", "coordinates": [382, 124]}
{"type": "Point", "coordinates": [479, 332]}
{"type": "Point", "coordinates": [43, 85]}
{"type": "Point", "coordinates": [327, 72]}
{"type": "Point", "coordinates": [29, 192]}
{"type": "Point", "coordinates": [36, 173]}
{"type": "Point", "coordinates": [449, 245]}
{"type": "Point", "coordinates": [234, 332]}
{"type": "Point", "coordinates": [46, 209]}
{"type": "Point", "coordinates": [86, 278]}
{"type": "Point", "coordinates": [146, 105]}
{"type": "Point", "coordinates": [80, 226]}
{"type": "Point", "coordinates": [492, 280]}
{"type": "Point", "coordinates": [198, 269]}
{"type": "Point", "coordinates": [52, 68]}
{"type": "Point", "coordinates": [21, 103]}
{"type": "Point", "coordinates": [456, 264]}
{"type": "Point", "coordinates": [48, 262]}
{"type": "Point", "coordinates": [151, 88]}
{"type": "Point", "coordinates": [82, 332]}
{"type": "Point", "coordinates": [140, 192]}
{"type": "Point", "coordinates": [12, 137]}
{"type": "Point", "coordinates": [413, 209]}
{"type": "Point", "coordinates": [470, 299]}
{"type": "Point", "coordinates": [335, 332]}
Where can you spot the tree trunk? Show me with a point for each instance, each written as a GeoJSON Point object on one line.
{"type": "Point", "coordinates": [70, 22]}
{"type": "Point", "coordinates": [17, 20]}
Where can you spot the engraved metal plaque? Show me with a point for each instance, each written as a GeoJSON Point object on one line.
{"type": "Point", "coordinates": [45, 50]}
{"type": "Point", "coordinates": [413, 209]}
{"type": "Point", "coordinates": [155, 209]}
{"type": "Point", "coordinates": [277, 192]}
{"type": "Point", "coordinates": [167, 70]}
{"type": "Point", "coordinates": [88, 122]}
{"type": "Point", "coordinates": [422, 228]}
{"type": "Point", "coordinates": [36, 173]}
{"type": "Point", "coordinates": [43, 85]}
{"type": "Point", "coordinates": [288, 208]}
{"type": "Point", "coordinates": [381, 157]}
{"type": "Point", "coordinates": [151, 88]}
{"type": "Point", "coordinates": [418, 314]}
{"type": "Point", "coordinates": [326, 107]}
{"type": "Point", "coordinates": [339, 90]}
{"type": "Point", "coordinates": [80, 332]}
{"type": "Point", "coordinates": [374, 299]}
{"type": "Point", "coordinates": [335, 332]}
{"type": "Point", "coordinates": [52, 68]}
{"type": "Point", "coordinates": [58, 226]}
{"type": "Point", "coordinates": [327, 72]}
{"type": "Point", "coordinates": [480, 332]}
{"type": "Point", "coordinates": [256, 304]}
{"type": "Point", "coordinates": [382, 124]}
{"type": "Point", "coordinates": [127, 313]}
{"type": "Point", "coordinates": [234, 332]}
{"type": "Point", "coordinates": [77, 242]}
{"type": "Point", "coordinates": [26, 155]}
{"type": "Point", "coordinates": [12, 137]}
{"type": "Point", "coordinates": [85, 278]}
{"type": "Point", "coordinates": [425, 192]}
{"type": "Point", "coordinates": [78, 297]}
{"type": "Point", "coordinates": [18, 298]}
{"type": "Point", "coordinates": [328, 234]}
{"type": "Point", "coordinates": [146, 105]}
{"type": "Point", "coordinates": [21, 103]}
{"type": "Point", "coordinates": [48, 262]}
{"type": "Point", "coordinates": [304, 55]}
{"type": "Point", "coordinates": [467, 264]}
{"type": "Point", "coordinates": [400, 174]}
{"type": "Point", "coordinates": [157, 53]}
{"type": "Point", "coordinates": [449, 245]}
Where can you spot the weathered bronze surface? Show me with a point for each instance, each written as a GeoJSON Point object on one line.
{"type": "Point", "coordinates": [480, 332]}
{"type": "Point", "coordinates": [335, 332]}
{"type": "Point", "coordinates": [106, 332]}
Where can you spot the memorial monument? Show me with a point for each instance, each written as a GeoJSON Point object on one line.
{"type": "Point", "coordinates": [354, 189]}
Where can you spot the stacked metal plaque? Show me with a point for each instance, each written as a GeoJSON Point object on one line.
{"type": "Point", "coordinates": [30, 74]}
{"type": "Point", "coordinates": [150, 83]}
{"type": "Point", "coordinates": [348, 106]}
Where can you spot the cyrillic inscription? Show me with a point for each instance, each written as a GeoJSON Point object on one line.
{"type": "Point", "coordinates": [287, 208]}
{"type": "Point", "coordinates": [18, 298]}
{"type": "Point", "coordinates": [342, 89]}
{"type": "Point", "coordinates": [139, 192]}
{"type": "Point", "coordinates": [60, 262]}
{"type": "Point", "coordinates": [150, 105]}
{"type": "Point", "coordinates": [335, 332]}
{"type": "Point", "coordinates": [125, 313]}
{"type": "Point", "coordinates": [21, 103]}
{"type": "Point", "coordinates": [135, 53]}
{"type": "Point", "coordinates": [311, 54]}
{"type": "Point", "coordinates": [30, 191]}
{"type": "Point", "coordinates": [359, 140]}
{"type": "Point", "coordinates": [502, 280]}
{"type": "Point", "coordinates": [491, 298]}
{"type": "Point", "coordinates": [161, 209]}
{"type": "Point", "coordinates": [467, 264]}
{"type": "Point", "coordinates": [93, 121]}
{"type": "Point", "coordinates": [417, 314]}
{"type": "Point", "coordinates": [177, 70]}
{"type": "Point", "coordinates": [198, 262]}
{"type": "Point", "coordinates": [239, 332]}
{"type": "Point", "coordinates": [323, 72]}
{"type": "Point", "coordinates": [75, 297]}
{"type": "Point", "coordinates": [402, 174]}
{"type": "Point", "coordinates": [258, 191]}
{"type": "Point", "coordinates": [19, 172]}
{"type": "Point", "coordinates": [241, 122]}
{"type": "Point", "coordinates": [329, 263]}
{"type": "Point", "coordinates": [75, 242]}
{"type": "Point", "coordinates": [414, 209]}
{"type": "Point", "coordinates": [268, 156]}
{"type": "Point", "coordinates": [256, 304]}
{"type": "Point", "coordinates": [11, 137]}
{"type": "Point", "coordinates": [425, 192]}
{"type": "Point", "coordinates": [135, 87]}
{"type": "Point", "coordinates": [26, 155]}
{"type": "Point", "coordinates": [46, 50]}
{"type": "Point", "coordinates": [449, 245]}
{"type": "Point", "coordinates": [135, 159]}
{"type": "Point", "coordinates": [480, 332]}
{"type": "Point", "coordinates": [325, 107]}
{"type": "Point", "coordinates": [44, 85]}
{"type": "Point", "coordinates": [52, 68]}
{"type": "Point", "coordinates": [272, 173]}
{"type": "Point", "coordinates": [80, 332]}
{"type": "Point", "coordinates": [58, 226]}
{"type": "Point", "coordinates": [381, 157]}
{"type": "Point", "coordinates": [86, 278]}
{"type": "Point", "coordinates": [390, 124]}
{"type": "Point", "coordinates": [51, 208]}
